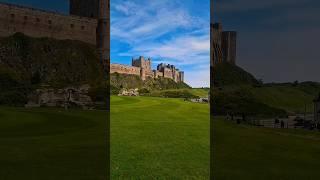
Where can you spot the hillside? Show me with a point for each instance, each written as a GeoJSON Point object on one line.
{"type": "Point", "coordinates": [49, 61]}
{"type": "Point", "coordinates": [27, 63]}
{"type": "Point", "coordinates": [237, 91]}
{"type": "Point", "coordinates": [119, 81]}
{"type": "Point", "coordinates": [226, 74]}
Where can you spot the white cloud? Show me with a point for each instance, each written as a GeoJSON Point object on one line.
{"type": "Point", "coordinates": [199, 77]}
{"type": "Point", "coordinates": [184, 50]}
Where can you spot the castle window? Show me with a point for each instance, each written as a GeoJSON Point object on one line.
{"type": "Point", "coordinates": [82, 27]}
{"type": "Point", "coordinates": [72, 25]}
{"type": "Point", "coordinates": [25, 18]}
{"type": "Point", "coordinates": [12, 16]}
{"type": "Point", "coordinates": [38, 20]}
{"type": "Point", "coordinates": [49, 22]}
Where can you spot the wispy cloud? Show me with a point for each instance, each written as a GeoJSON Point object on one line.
{"type": "Point", "coordinates": [166, 31]}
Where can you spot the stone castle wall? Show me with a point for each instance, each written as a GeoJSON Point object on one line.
{"type": "Point", "coordinates": [157, 74]}
{"type": "Point", "coordinates": [167, 73]}
{"type": "Point", "coordinates": [39, 23]}
{"type": "Point", "coordinates": [123, 69]}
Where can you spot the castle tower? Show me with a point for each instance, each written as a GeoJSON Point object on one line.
{"type": "Point", "coordinates": [144, 64]}
{"type": "Point", "coordinates": [229, 46]}
{"type": "Point", "coordinates": [143, 74]}
{"type": "Point", "coordinates": [85, 8]}
{"type": "Point", "coordinates": [181, 76]}
{"type": "Point", "coordinates": [103, 34]}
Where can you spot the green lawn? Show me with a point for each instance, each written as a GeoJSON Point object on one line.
{"type": "Point", "coordinates": [52, 144]}
{"type": "Point", "coordinates": [151, 138]}
{"type": "Point", "coordinates": [159, 138]}
{"type": "Point", "coordinates": [247, 153]}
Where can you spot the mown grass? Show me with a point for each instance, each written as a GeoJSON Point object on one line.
{"type": "Point", "coordinates": [243, 152]}
{"type": "Point", "coordinates": [159, 138]}
{"type": "Point", "coordinates": [52, 144]}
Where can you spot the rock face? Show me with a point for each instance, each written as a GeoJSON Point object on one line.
{"type": "Point", "coordinates": [129, 92]}
{"type": "Point", "coordinates": [200, 100]}
{"type": "Point", "coordinates": [67, 97]}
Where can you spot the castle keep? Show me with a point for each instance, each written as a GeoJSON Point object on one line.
{"type": "Point", "coordinates": [40, 23]}
{"type": "Point", "coordinates": [142, 68]}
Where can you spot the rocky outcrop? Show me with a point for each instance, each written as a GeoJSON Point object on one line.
{"type": "Point", "coordinates": [66, 97]}
{"type": "Point", "coordinates": [129, 92]}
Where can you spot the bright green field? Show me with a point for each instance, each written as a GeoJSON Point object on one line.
{"type": "Point", "coordinates": [159, 138]}
{"type": "Point", "coordinates": [52, 144]}
{"type": "Point", "coordinates": [249, 153]}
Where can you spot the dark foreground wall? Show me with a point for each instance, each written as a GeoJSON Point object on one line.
{"type": "Point", "coordinates": [39, 23]}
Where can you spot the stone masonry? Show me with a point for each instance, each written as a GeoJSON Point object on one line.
{"type": "Point", "coordinates": [39, 23]}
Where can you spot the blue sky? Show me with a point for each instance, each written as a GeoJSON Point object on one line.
{"type": "Point", "coordinates": [169, 31]}
{"type": "Point", "coordinates": [278, 40]}
{"type": "Point", "coordinates": [61, 6]}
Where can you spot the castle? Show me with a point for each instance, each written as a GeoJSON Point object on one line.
{"type": "Point", "coordinates": [142, 68]}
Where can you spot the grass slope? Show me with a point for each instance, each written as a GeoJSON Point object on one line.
{"type": "Point", "coordinates": [26, 63]}
{"type": "Point", "coordinates": [52, 144]}
{"type": "Point", "coordinates": [49, 61]}
{"type": "Point", "coordinates": [119, 81]}
{"type": "Point", "coordinates": [226, 74]}
{"type": "Point", "coordinates": [159, 138]}
{"type": "Point", "coordinates": [289, 98]}
{"type": "Point", "coordinates": [231, 82]}
{"type": "Point", "coordinates": [244, 152]}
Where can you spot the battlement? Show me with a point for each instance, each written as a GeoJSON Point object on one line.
{"type": "Point", "coordinates": [41, 23]}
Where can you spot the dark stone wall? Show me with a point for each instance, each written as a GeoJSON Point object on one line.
{"type": "Point", "coordinates": [39, 23]}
